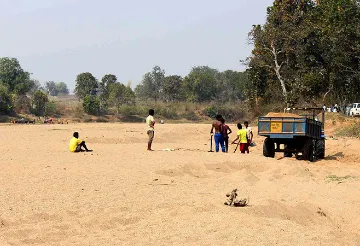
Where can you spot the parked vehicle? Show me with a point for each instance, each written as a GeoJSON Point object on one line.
{"type": "Point", "coordinates": [302, 135]}
{"type": "Point", "coordinates": [355, 110]}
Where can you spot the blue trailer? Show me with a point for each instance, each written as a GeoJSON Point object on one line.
{"type": "Point", "coordinates": [302, 135]}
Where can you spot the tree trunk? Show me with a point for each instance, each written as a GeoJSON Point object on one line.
{"type": "Point", "coordinates": [277, 69]}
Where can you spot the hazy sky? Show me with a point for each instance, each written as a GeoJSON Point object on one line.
{"type": "Point", "coordinates": [58, 39]}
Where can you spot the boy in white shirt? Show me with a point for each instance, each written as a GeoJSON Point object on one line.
{"type": "Point", "coordinates": [250, 134]}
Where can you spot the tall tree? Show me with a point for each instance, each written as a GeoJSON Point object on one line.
{"type": "Point", "coordinates": [51, 88]}
{"type": "Point", "coordinates": [279, 45]}
{"type": "Point", "coordinates": [86, 84]}
{"type": "Point", "coordinates": [5, 100]}
{"type": "Point", "coordinates": [172, 88]}
{"type": "Point", "coordinates": [14, 77]}
{"type": "Point", "coordinates": [104, 87]}
{"type": "Point", "coordinates": [62, 88]}
{"type": "Point", "coordinates": [151, 86]}
{"type": "Point", "coordinates": [120, 94]}
{"type": "Point", "coordinates": [39, 101]}
{"type": "Point", "coordinates": [200, 85]}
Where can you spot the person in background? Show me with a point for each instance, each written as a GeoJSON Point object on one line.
{"type": "Point", "coordinates": [225, 132]}
{"type": "Point", "coordinates": [249, 132]}
{"type": "Point", "coordinates": [150, 123]}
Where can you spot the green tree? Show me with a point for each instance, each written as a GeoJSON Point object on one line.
{"type": "Point", "coordinates": [120, 94]}
{"type": "Point", "coordinates": [172, 88]}
{"type": "Point", "coordinates": [231, 86]}
{"type": "Point", "coordinates": [200, 85]}
{"type": "Point", "coordinates": [280, 46]}
{"type": "Point", "coordinates": [51, 88]}
{"type": "Point", "coordinates": [14, 77]}
{"type": "Point", "coordinates": [104, 87]}
{"type": "Point", "coordinates": [62, 88]}
{"type": "Point", "coordinates": [339, 25]}
{"type": "Point", "coordinates": [36, 87]}
{"type": "Point", "coordinates": [151, 86]}
{"type": "Point", "coordinates": [5, 100]}
{"type": "Point", "coordinates": [86, 84]}
{"type": "Point", "coordinates": [39, 101]}
{"type": "Point", "coordinates": [91, 104]}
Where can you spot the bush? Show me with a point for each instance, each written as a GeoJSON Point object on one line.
{"type": "Point", "coordinates": [128, 110]}
{"type": "Point", "coordinates": [229, 112]}
{"type": "Point", "coordinates": [78, 112]}
{"type": "Point", "coordinates": [91, 105]}
{"type": "Point", "coordinates": [351, 131]}
{"type": "Point", "coordinates": [168, 112]}
{"type": "Point", "coordinates": [22, 104]}
{"type": "Point", "coordinates": [39, 101]}
{"type": "Point", "coordinates": [50, 109]}
{"type": "Point", "coordinates": [190, 116]}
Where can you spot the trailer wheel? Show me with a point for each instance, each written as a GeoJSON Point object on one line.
{"type": "Point", "coordinates": [309, 150]}
{"type": "Point", "coordinates": [269, 148]}
{"type": "Point", "coordinates": [288, 154]}
{"type": "Point", "coordinates": [320, 149]}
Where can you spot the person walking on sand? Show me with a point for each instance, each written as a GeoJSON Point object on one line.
{"type": "Point", "coordinates": [218, 136]}
{"type": "Point", "coordinates": [250, 134]}
{"type": "Point", "coordinates": [225, 132]}
{"type": "Point", "coordinates": [76, 144]}
{"type": "Point", "coordinates": [150, 123]}
{"type": "Point", "coordinates": [242, 138]}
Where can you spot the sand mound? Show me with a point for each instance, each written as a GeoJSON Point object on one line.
{"type": "Point", "coordinates": [273, 114]}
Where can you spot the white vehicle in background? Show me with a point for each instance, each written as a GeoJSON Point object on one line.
{"type": "Point", "coordinates": [355, 110]}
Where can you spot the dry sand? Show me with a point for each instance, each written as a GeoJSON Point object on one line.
{"type": "Point", "coordinates": [123, 195]}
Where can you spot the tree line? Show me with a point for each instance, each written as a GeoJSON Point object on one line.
{"type": "Point", "coordinates": [202, 84]}
{"type": "Point", "coordinates": [20, 93]}
{"type": "Point", "coordinates": [307, 51]}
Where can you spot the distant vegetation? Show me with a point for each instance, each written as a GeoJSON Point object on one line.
{"type": "Point", "coordinates": [307, 53]}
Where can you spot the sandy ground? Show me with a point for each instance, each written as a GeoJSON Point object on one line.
{"type": "Point", "coordinates": [123, 195]}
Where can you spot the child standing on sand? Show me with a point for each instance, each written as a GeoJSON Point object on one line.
{"type": "Point", "coordinates": [150, 123]}
{"type": "Point", "coordinates": [243, 139]}
{"type": "Point", "coordinates": [225, 132]}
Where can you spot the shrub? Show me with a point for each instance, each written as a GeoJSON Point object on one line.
{"type": "Point", "coordinates": [229, 112]}
{"type": "Point", "coordinates": [39, 101]}
{"type": "Point", "coordinates": [190, 116]}
{"type": "Point", "coordinates": [128, 110]}
{"type": "Point", "coordinates": [91, 104]}
{"type": "Point", "coordinates": [50, 109]}
{"type": "Point", "coordinates": [168, 112]}
{"type": "Point", "coordinates": [351, 131]}
{"type": "Point", "coordinates": [78, 112]}
{"type": "Point", "coordinates": [22, 104]}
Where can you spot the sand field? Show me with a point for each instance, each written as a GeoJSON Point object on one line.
{"type": "Point", "coordinates": [120, 194]}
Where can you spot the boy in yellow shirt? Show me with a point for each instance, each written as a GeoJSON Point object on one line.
{"type": "Point", "coordinates": [76, 144]}
{"type": "Point", "coordinates": [243, 139]}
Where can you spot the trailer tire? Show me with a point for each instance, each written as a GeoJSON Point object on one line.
{"type": "Point", "coordinates": [287, 154]}
{"type": "Point", "coordinates": [320, 149]}
{"type": "Point", "coordinates": [269, 148]}
{"type": "Point", "coordinates": [309, 152]}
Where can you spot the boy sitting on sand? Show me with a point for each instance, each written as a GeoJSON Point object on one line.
{"type": "Point", "coordinates": [243, 139]}
{"type": "Point", "coordinates": [76, 144]}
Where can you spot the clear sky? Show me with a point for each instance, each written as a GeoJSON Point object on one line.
{"type": "Point", "coordinates": [58, 39]}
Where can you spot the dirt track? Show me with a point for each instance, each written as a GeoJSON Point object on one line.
{"type": "Point", "coordinates": [123, 195]}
